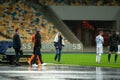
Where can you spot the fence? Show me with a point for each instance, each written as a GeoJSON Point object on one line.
{"type": "Point", "coordinates": [49, 47]}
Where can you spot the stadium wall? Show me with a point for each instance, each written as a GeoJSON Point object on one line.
{"type": "Point", "coordinates": [87, 12]}
{"type": "Point", "coordinates": [110, 13]}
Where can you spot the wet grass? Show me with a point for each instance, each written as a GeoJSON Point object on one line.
{"type": "Point", "coordinates": [83, 60]}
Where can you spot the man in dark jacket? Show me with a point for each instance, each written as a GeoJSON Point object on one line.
{"type": "Point", "coordinates": [113, 46]}
{"type": "Point", "coordinates": [37, 47]}
{"type": "Point", "coordinates": [17, 46]}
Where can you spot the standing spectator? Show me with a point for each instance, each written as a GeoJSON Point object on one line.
{"type": "Point", "coordinates": [113, 46]}
{"type": "Point", "coordinates": [37, 47]}
{"type": "Point", "coordinates": [99, 46]}
{"type": "Point", "coordinates": [58, 43]}
{"type": "Point", "coordinates": [17, 46]}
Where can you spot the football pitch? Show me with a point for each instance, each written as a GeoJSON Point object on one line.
{"type": "Point", "coordinates": [83, 59]}
{"type": "Point", "coordinates": [73, 66]}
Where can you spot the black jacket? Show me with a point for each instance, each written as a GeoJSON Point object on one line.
{"type": "Point", "coordinates": [16, 41]}
{"type": "Point", "coordinates": [37, 40]}
{"type": "Point", "coordinates": [113, 40]}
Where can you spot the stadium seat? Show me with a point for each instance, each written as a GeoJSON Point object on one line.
{"type": "Point", "coordinates": [19, 14]}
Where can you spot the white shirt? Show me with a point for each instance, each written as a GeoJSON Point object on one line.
{"type": "Point", "coordinates": [99, 41]}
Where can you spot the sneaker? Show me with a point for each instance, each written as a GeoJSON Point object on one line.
{"type": "Point", "coordinates": [44, 64]}
{"type": "Point", "coordinates": [34, 65]}
{"type": "Point", "coordinates": [17, 63]}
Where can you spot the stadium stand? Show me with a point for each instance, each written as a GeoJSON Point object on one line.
{"type": "Point", "coordinates": [81, 2]}
{"type": "Point", "coordinates": [17, 13]}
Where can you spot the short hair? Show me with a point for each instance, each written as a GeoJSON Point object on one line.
{"type": "Point", "coordinates": [16, 30]}
{"type": "Point", "coordinates": [100, 32]}
{"type": "Point", "coordinates": [37, 29]}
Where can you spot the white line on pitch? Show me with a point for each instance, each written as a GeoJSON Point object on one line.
{"type": "Point", "coordinates": [72, 72]}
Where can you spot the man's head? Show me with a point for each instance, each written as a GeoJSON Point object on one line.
{"type": "Point", "coordinates": [37, 29]}
{"type": "Point", "coordinates": [17, 29]}
{"type": "Point", "coordinates": [100, 32]}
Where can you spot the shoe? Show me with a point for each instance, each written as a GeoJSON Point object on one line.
{"type": "Point", "coordinates": [44, 64]}
{"type": "Point", "coordinates": [17, 63]}
{"type": "Point", "coordinates": [34, 65]}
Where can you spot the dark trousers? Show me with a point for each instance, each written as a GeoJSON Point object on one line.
{"type": "Point", "coordinates": [37, 52]}
{"type": "Point", "coordinates": [17, 54]}
{"type": "Point", "coordinates": [58, 54]}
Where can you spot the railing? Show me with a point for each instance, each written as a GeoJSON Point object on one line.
{"type": "Point", "coordinates": [49, 47]}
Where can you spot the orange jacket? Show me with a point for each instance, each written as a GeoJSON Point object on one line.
{"type": "Point", "coordinates": [33, 38]}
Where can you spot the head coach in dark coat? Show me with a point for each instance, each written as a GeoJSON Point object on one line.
{"type": "Point", "coordinates": [17, 46]}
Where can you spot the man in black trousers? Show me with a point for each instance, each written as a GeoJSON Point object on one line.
{"type": "Point", "coordinates": [113, 46]}
{"type": "Point", "coordinates": [17, 46]}
{"type": "Point", "coordinates": [37, 48]}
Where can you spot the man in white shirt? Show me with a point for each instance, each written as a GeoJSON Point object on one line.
{"type": "Point", "coordinates": [99, 46]}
